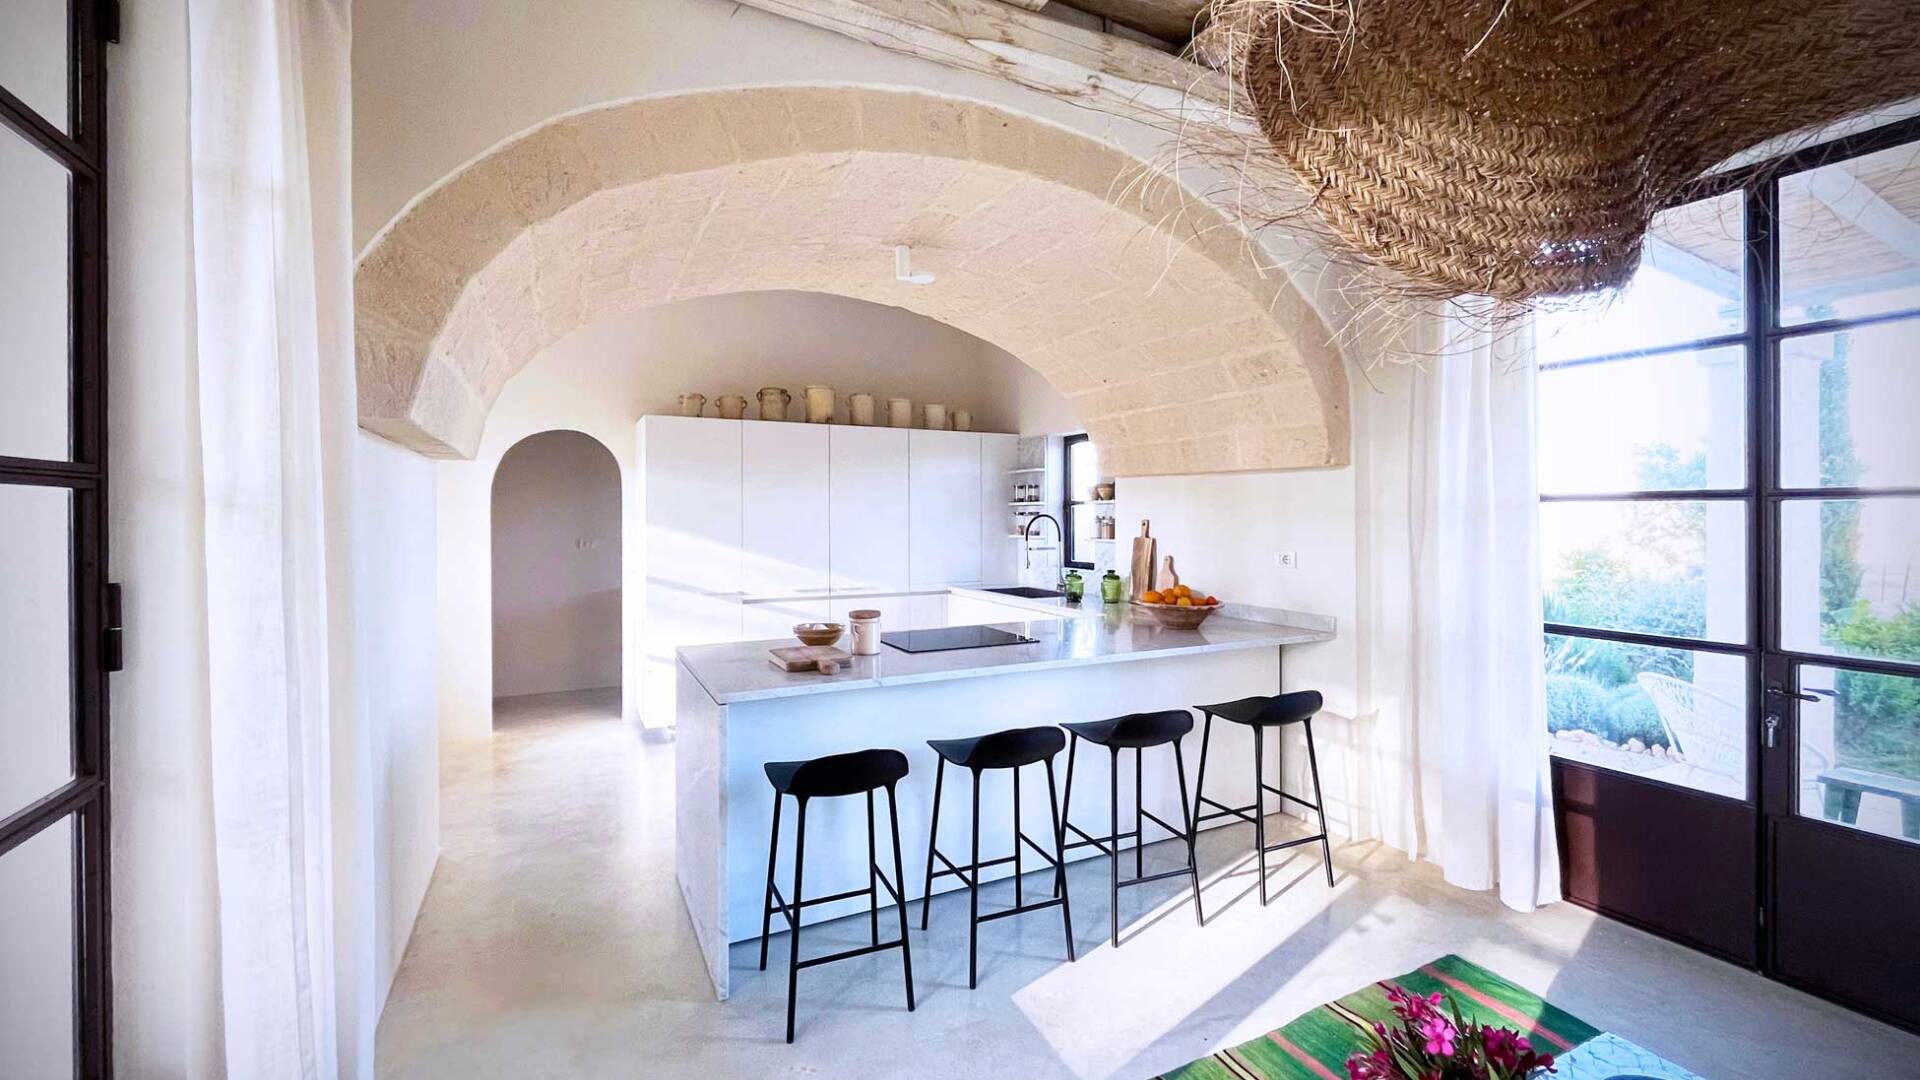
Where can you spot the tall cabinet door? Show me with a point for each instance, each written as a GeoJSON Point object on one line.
{"type": "Point", "coordinates": [869, 496]}
{"type": "Point", "coordinates": [944, 508]}
{"type": "Point", "coordinates": [690, 472]}
{"type": "Point", "coordinates": [999, 552]}
{"type": "Point", "coordinates": [784, 509]}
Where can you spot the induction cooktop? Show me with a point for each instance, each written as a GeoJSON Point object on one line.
{"type": "Point", "coordinates": [947, 638]}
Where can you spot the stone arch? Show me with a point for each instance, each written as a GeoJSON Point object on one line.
{"type": "Point", "coordinates": [1145, 312]}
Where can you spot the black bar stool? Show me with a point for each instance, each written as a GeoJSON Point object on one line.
{"type": "Point", "coordinates": [1135, 731]}
{"type": "Point", "coordinates": [1000, 750]}
{"type": "Point", "coordinates": [1261, 713]}
{"type": "Point", "coordinates": [861, 772]}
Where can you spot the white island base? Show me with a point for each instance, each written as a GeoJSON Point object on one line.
{"type": "Point", "coordinates": [735, 713]}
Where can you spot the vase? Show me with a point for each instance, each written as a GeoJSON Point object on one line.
{"type": "Point", "coordinates": [899, 412]}
{"type": "Point", "coordinates": [731, 406]}
{"type": "Point", "coordinates": [692, 404]}
{"type": "Point", "coordinates": [933, 416]}
{"type": "Point", "coordinates": [819, 404]}
{"type": "Point", "coordinates": [962, 420]}
{"type": "Point", "coordinates": [860, 409]}
{"type": "Point", "coordinates": [773, 403]}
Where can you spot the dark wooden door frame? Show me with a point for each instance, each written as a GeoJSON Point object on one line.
{"type": "Point", "coordinates": [94, 647]}
{"type": "Point", "coordinates": [1772, 780]}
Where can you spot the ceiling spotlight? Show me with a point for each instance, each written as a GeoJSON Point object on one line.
{"type": "Point", "coordinates": [903, 267]}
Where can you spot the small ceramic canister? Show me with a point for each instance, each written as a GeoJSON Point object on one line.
{"type": "Point", "coordinates": [933, 416]}
{"type": "Point", "coordinates": [819, 404]}
{"type": "Point", "coordinates": [866, 631]}
{"type": "Point", "coordinates": [731, 406]}
{"type": "Point", "coordinates": [860, 409]}
{"type": "Point", "coordinates": [899, 412]}
{"type": "Point", "coordinates": [773, 403]}
{"type": "Point", "coordinates": [962, 420]}
{"type": "Point", "coordinates": [692, 404]}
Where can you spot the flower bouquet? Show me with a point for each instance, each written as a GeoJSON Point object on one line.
{"type": "Point", "coordinates": [1435, 1043]}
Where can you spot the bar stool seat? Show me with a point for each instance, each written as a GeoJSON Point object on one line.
{"type": "Point", "coordinates": [859, 773]}
{"type": "Point", "coordinates": [1014, 749]}
{"type": "Point", "coordinates": [1262, 714]}
{"type": "Point", "coordinates": [1136, 732]}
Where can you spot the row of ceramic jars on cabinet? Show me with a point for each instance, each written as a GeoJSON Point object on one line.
{"type": "Point", "coordinates": [818, 408]}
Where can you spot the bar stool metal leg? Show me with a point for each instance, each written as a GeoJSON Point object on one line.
{"type": "Point", "coordinates": [766, 906]}
{"type": "Point", "coordinates": [1319, 804]}
{"type": "Point", "coordinates": [973, 895]}
{"type": "Point", "coordinates": [1139, 830]}
{"type": "Point", "coordinates": [1018, 847]}
{"type": "Point", "coordinates": [1200, 778]}
{"type": "Point", "coordinates": [1260, 808]}
{"type": "Point", "coordinates": [1059, 863]}
{"type": "Point", "coordinates": [1113, 856]}
{"type": "Point", "coordinates": [793, 952]}
{"type": "Point", "coordinates": [873, 875]}
{"type": "Point", "coordinates": [933, 839]}
{"type": "Point", "coordinates": [1193, 834]}
{"type": "Point", "coordinates": [900, 896]}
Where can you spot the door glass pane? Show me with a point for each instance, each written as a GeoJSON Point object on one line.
{"type": "Point", "coordinates": [1675, 715]}
{"type": "Point", "coordinates": [36, 641]}
{"type": "Point", "coordinates": [1849, 238]}
{"type": "Point", "coordinates": [1084, 530]}
{"type": "Point", "coordinates": [1083, 470]}
{"type": "Point", "coordinates": [1688, 287]}
{"type": "Point", "coordinates": [35, 319]}
{"type": "Point", "coordinates": [1860, 750]}
{"type": "Point", "coordinates": [37, 955]}
{"type": "Point", "coordinates": [36, 62]}
{"type": "Point", "coordinates": [1850, 577]}
{"type": "Point", "coordinates": [1847, 406]}
{"type": "Point", "coordinates": [1672, 421]}
{"type": "Point", "coordinates": [1673, 567]}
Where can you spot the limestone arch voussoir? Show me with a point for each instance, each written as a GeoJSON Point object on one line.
{"type": "Point", "coordinates": [1138, 301]}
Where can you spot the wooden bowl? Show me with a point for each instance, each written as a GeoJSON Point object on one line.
{"type": "Point", "coordinates": [1175, 617]}
{"type": "Point", "coordinates": [818, 633]}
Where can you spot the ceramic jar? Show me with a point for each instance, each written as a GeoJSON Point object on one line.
{"type": "Point", "coordinates": [773, 403]}
{"type": "Point", "coordinates": [819, 404]}
{"type": "Point", "coordinates": [866, 631]}
{"type": "Point", "coordinates": [962, 420]}
{"type": "Point", "coordinates": [899, 412]}
{"type": "Point", "coordinates": [692, 404]}
{"type": "Point", "coordinates": [731, 406]}
{"type": "Point", "coordinates": [860, 409]}
{"type": "Point", "coordinates": [933, 416]}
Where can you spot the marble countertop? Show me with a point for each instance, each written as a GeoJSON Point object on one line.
{"type": "Point", "coordinates": [739, 671]}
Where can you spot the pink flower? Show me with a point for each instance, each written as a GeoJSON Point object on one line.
{"type": "Point", "coordinates": [1439, 1034]}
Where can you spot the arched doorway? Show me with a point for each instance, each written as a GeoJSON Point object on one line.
{"type": "Point", "coordinates": [556, 567]}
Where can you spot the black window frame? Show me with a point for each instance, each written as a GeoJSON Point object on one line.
{"type": "Point", "coordinates": [81, 149]}
{"type": "Point", "coordinates": [1068, 551]}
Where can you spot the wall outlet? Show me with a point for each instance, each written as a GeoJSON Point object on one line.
{"type": "Point", "coordinates": [1286, 560]}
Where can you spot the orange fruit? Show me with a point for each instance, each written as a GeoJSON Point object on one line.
{"type": "Point", "coordinates": [1151, 596]}
{"type": "Point", "coordinates": [1182, 591]}
{"type": "Point", "coordinates": [1211, 601]}
{"type": "Point", "coordinates": [1186, 601]}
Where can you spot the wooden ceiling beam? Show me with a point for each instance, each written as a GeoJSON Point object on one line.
{"type": "Point", "coordinates": [1089, 68]}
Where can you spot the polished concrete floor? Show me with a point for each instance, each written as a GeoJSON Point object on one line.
{"type": "Point", "coordinates": [553, 944]}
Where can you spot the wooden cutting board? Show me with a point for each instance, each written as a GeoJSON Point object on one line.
{"type": "Point", "coordinates": [1144, 548]}
{"type": "Point", "coordinates": [794, 658]}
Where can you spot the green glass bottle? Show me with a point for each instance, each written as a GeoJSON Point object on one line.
{"type": "Point", "coordinates": [1075, 586]}
{"type": "Point", "coordinates": [1110, 587]}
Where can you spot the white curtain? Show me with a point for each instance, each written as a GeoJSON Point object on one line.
{"type": "Point", "coordinates": [1464, 778]}
{"type": "Point", "coordinates": [268, 91]}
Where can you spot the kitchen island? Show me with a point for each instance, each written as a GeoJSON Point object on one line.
{"type": "Point", "coordinates": [735, 712]}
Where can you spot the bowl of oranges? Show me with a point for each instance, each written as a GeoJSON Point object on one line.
{"type": "Point", "coordinates": [1181, 607]}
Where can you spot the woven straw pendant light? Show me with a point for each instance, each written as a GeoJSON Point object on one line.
{"type": "Point", "coordinates": [1518, 149]}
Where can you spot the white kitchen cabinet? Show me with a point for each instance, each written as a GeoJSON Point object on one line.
{"type": "Point", "coordinates": [999, 552]}
{"type": "Point", "coordinates": [927, 611]}
{"type": "Point", "coordinates": [783, 496]}
{"type": "Point", "coordinates": [972, 611]}
{"type": "Point", "coordinates": [869, 485]}
{"type": "Point", "coordinates": [690, 549]}
{"type": "Point", "coordinates": [943, 546]}
{"type": "Point", "coordinates": [896, 610]}
{"type": "Point", "coordinates": [776, 618]}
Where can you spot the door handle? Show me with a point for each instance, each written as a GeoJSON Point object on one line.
{"type": "Point", "coordinates": [1772, 731]}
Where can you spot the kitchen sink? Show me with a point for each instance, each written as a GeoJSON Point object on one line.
{"type": "Point", "coordinates": [1027, 592]}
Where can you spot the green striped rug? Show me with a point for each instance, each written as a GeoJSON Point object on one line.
{"type": "Point", "coordinates": [1315, 1046]}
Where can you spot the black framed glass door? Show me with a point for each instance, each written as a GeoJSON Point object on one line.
{"type": "Point", "coordinates": [55, 646]}
{"type": "Point", "coordinates": [1730, 523]}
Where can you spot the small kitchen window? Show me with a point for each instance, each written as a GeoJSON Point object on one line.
{"type": "Point", "coordinates": [1079, 510]}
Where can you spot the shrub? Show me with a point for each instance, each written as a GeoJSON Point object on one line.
{"type": "Point", "coordinates": [1631, 714]}
{"type": "Point", "coordinates": [1576, 703]}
